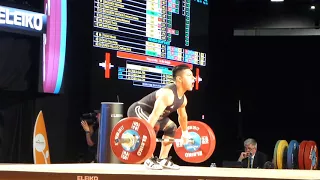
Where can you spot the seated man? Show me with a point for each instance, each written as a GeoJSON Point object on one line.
{"type": "Point", "coordinates": [257, 158]}
{"type": "Point", "coordinates": [156, 107]}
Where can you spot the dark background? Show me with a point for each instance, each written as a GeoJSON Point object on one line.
{"type": "Point", "coordinates": [266, 14]}
{"type": "Point", "coordinates": [276, 79]}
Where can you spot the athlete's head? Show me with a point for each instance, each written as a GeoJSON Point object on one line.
{"type": "Point", "coordinates": [183, 76]}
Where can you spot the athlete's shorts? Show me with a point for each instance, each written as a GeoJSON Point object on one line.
{"type": "Point", "coordinates": [142, 111]}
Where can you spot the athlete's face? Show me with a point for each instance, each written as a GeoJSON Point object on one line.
{"type": "Point", "coordinates": [187, 79]}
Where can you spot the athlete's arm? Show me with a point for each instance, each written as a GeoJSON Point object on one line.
{"type": "Point", "coordinates": [164, 99]}
{"type": "Point", "coordinates": [182, 115]}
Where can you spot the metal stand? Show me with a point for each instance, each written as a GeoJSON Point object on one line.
{"type": "Point", "coordinates": [111, 114]}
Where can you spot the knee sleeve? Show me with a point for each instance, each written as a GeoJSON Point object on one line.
{"type": "Point", "coordinates": [170, 130]}
{"type": "Point", "coordinates": [156, 128]}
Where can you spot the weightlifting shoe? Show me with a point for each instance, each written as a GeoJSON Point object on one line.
{"type": "Point", "coordinates": [152, 163]}
{"type": "Point", "coordinates": [167, 163]}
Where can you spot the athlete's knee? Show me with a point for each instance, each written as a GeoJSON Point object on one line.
{"type": "Point", "coordinates": [170, 129]}
{"type": "Point", "coordinates": [156, 128]}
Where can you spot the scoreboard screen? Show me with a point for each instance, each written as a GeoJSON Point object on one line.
{"type": "Point", "coordinates": [140, 41]}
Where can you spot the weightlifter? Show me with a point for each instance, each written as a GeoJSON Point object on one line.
{"type": "Point", "coordinates": [158, 105]}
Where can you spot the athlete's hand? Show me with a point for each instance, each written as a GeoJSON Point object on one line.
{"type": "Point", "coordinates": [185, 137]}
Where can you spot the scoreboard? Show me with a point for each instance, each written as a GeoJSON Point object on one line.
{"type": "Point", "coordinates": [145, 74]}
{"type": "Point", "coordinates": [142, 40]}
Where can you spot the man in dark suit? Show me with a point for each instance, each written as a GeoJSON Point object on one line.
{"type": "Point", "coordinates": [252, 158]}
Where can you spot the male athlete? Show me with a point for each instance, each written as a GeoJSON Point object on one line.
{"type": "Point", "coordinates": [156, 107]}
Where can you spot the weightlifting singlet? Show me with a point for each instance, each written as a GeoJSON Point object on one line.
{"type": "Point", "coordinates": [145, 106]}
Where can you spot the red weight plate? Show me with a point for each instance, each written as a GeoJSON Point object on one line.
{"type": "Point", "coordinates": [301, 154]}
{"type": "Point", "coordinates": [213, 141]}
{"type": "Point", "coordinates": [310, 156]}
{"type": "Point", "coordinates": [136, 151]}
{"type": "Point", "coordinates": [204, 143]}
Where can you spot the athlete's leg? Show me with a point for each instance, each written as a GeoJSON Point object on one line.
{"type": "Point", "coordinates": [169, 128]}
{"type": "Point", "coordinates": [135, 110]}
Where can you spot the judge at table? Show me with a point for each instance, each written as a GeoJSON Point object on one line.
{"type": "Point", "coordinates": [251, 157]}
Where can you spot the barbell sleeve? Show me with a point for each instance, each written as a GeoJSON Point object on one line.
{"type": "Point", "coordinates": [123, 140]}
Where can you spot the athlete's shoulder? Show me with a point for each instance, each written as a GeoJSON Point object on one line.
{"type": "Point", "coordinates": [165, 94]}
{"type": "Point", "coordinates": [185, 101]}
{"type": "Point", "coordinates": [169, 86]}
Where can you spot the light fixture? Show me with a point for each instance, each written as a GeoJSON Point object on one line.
{"type": "Point", "coordinates": [277, 0]}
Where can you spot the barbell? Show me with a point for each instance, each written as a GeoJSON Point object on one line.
{"type": "Point", "coordinates": [133, 140]}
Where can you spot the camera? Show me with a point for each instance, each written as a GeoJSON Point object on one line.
{"type": "Point", "coordinates": [91, 117]}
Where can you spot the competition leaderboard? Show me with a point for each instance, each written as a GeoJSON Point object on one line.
{"type": "Point", "coordinates": [143, 27]}
{"type": "Point", "coordinates": [145, 71]}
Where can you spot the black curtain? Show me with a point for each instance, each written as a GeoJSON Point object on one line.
{"type": "Point", "coordinates": [14, 61]}
{"type": "Point", "coordinates": [18, 121]}
{"type": "Point", "coordinates": [1, 136]}
{"type": "Point", "coordinates": [19, 60]}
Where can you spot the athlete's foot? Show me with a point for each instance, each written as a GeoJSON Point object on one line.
{"type": "Point", "coordinates": [167, 163]}
{"type": "Point", "coordinates": [152, 163]}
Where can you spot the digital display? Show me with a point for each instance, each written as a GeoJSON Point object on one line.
{"type": "Point", "coordinates": [51, 27]}
{"type": "Point", "coordinates": [140, 41]}
{"type": "Point", "coordinates": [145, 73]}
